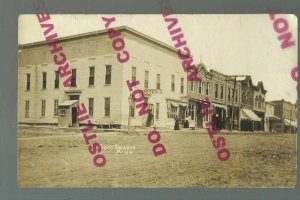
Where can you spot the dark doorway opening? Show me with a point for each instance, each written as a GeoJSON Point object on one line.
{"type": "Point", "coordinates": [74, 115]}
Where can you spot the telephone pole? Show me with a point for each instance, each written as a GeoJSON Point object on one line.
{"type": "Point", "coordinates": [233, 96]}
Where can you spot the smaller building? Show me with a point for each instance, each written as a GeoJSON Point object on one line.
{"type": "Point", "coordinates": [270, 118]}
{"type": "Point", "coordinates": [287, 112]}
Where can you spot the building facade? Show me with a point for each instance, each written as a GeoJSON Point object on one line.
{"type": "Point", "coordinates": [270, 118]}
{"type": "Point", "coordinates": [219, 89]}
{"type": "Point", "coordinates": [287, 112]}
{"type": "Point", "coordinates": [99, 81]}
{"type": "Point", "coordinates": [252, 105]}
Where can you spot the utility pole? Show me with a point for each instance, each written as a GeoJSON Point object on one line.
{"type": "Point", "coordinates": [233, 96]}
{"type": "Point", "coordinates": [232, 117]}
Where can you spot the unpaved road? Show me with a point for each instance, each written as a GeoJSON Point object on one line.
{"type": "Point", "coordinates": [46, 159]}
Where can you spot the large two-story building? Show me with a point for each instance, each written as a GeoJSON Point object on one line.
{"type": "Point", "coordinates": [252, 105]}
{"type": "Point", "coordinates": [99, 81]}
{"type": "Point", "coordinates": [287, 113]}
{"type": "Point", "coordinates": [219, 88]}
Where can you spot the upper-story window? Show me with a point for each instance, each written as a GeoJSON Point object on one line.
{"type": "Point", "coordinates": [192, 86]}
{"type": "Point", "coordinates": [73, 80]}
{"type": "Point", "coordinates": [44, 80]}
{"type": "Point", "coordinates": [236, 96]}
{"type": "Point", "coordinates": [182, 86]}
{"type": "Point", "coordinates": [28, 82]}
{"type": "Point", "coordinates": [26, 108]}
{"type": "Point", "coordinates": [158, 81]}
{"type": "Point", "coordinates": [91, 107]}
{"type": "Point", "coordinates": [222, 92]}
{"type": "Point", "coordinates": [146, 84]}
{"type": "Point", "coordinates": [216, 90]}
{"type": "Point", "coordinates": [56, 80]}
{"type": "Point", "coordinates": [207, 88]}
{"type": "Point", "coordinates": [92, 76]}
{"type": "Point", "coordinates": [229, 94]}
{"type": "Point", "coordinates": [107, 106]}
{"type": "Point", "coordinates": [43, 108]}
{"type": "Point", "coordinates": [173, 83]}
{"type": "Point", "coordinates": [108, 75]}
{"type": "Point", "coordinates": [199, 87]}
{"type": "Point", "coordinates": [133, 74]}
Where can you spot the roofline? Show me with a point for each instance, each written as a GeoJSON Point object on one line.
{"type": "Point", "coordinates": [103, 32]}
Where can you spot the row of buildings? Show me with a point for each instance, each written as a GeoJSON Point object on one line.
{"type": "Point", "coordinates": [99, 81]}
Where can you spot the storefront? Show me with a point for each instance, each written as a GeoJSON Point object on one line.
{"type": "Point", "coordinates": [248, 120]}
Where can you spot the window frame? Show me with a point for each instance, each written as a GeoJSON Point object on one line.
{"type": "Point", "coordinates": [108, 74]}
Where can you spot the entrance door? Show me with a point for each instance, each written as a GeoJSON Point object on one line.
{"type": "Point", "coordinates": [182, 111]}
{"type": "Point", "coordinates": [74, 115]}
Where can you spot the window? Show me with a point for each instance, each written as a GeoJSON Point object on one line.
{"type": "Point", "coordinates": [158, 81]}
{"type": "Point", "coordinates": [182, 86]}
{"type": "Point", "coordinates": [92, 76]}
{"type": "Point", "coordinates": [27, 108]}
{"type": "Point", "coordinates": [146, 84]}
{"type": "Point", "coordinates": [202, 88]}
{"type": "Point", "coordinates": [228, 94]}
{"type": "Point", "coordinates": [62, 112]}
{"type": "Point", "coordinates": [44, 80]}
{"type": "Point", "coordinates": [233, 94]}
{"type": "Point", "coordinates": [132, 109]}
{"type": "Point", "coordinates": [173, 83]}
{"type": "Point", "coordinates": [216, 90]}
{"type": "Point", "coordinates": [192, 86]}
{"type": "Point", "coordinates": [108, 75]}
{"type": "Point", "coordinates": [192, 110]}
{"type": "Point", "coordinates": [91, 107]}
{"type": "Point", "coordinates": [207, 88]}
{"type": "Point", "coordinates": [172, 112]}
{"type": "Point", "coordinates": [222, 92]}
{"type": "Point", "coordinates": [55, 107]}
{"type": "Point", "coordinates": [157, 111]}
{"type": "Point", "coordinates": [133, 74]}
{"type": "Point", "coordinates": [107, 107]}
{"type": "Point", "coordinates": [43, 108]}
{"type": "Point", "coordinates": [236, 96]}
{"type": "Point", "coordinates": [28, 82]}
{"type": "Point", "coordinates": [56, 81]}
{"type": "Point", "coordinates": [199, 87]}
{"type": "Point", "coordinates": [73, 80]}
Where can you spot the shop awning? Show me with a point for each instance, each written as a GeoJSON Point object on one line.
{"type": "Point", "coordinates": [219, 105]}
{"type": "Point", "coordinates": [174, 104]}
{"type": "Point", "coordinates": [249, 114]}
{"type": "Point", "coordinates": [183, 104]}
{"type": "Point", "coordinates": [68, 103]}
{"type": "Point", "coordinates": [288, 122]}
{"type": "Point", "coordinates": [273, 118]}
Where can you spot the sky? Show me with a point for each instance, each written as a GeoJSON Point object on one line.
{"type": "Point", "coordinates": [231, 44]}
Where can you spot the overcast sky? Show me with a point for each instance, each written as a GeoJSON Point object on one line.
{"type": "Point", "coordinates": [231, 44]}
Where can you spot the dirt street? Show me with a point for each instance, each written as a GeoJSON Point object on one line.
{"type": "Point", "coordinates": [55, 159]}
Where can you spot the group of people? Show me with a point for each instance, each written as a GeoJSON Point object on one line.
{"type": "Point", "coordinates": [220, 122]}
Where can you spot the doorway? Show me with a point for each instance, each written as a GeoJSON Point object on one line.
{"type": "Point", "coordinates": [74, 115]}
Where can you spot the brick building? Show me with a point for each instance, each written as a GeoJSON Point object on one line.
{"type": "Point", "coordinates": [252, 105]}
{"type": "Point", "coordinates": [287, 112]}
{"type": "Point", "coordinates": [270, 118]}
{"type": "Point", "coordinates": [219, 88]}
{"type": "Point", "coordinates": [99, 81]}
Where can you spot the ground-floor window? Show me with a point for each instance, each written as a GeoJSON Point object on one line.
{"type": "Point", "coordinates": [157, 111]}
{"type": "Point", "coordinates": [172, 112]}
